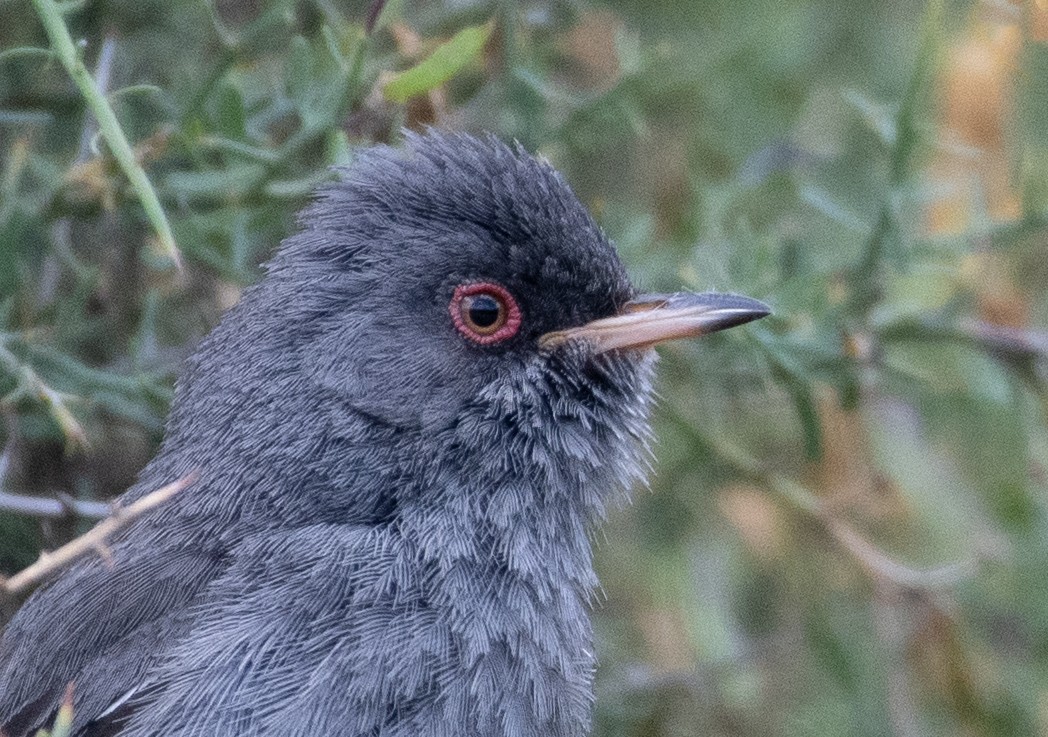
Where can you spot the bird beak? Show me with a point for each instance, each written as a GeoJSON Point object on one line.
{"type": "Point", "coordinates": [653, 318]}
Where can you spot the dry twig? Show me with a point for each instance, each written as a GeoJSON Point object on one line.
{"type": "Point", "coordinates": [48, 508]}
{"type": "Point", "coordinates": [95, 539]}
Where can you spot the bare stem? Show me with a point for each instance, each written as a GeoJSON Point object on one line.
{"type": "Point", "coordinates": [45, 508]}
{"type": "Point", "coordinates": [95, 539]}
{"type": "Point", "coordinates": [29, 383]}
{"type": "Point", "coordinates": [874, 561]}
{"type": "Point", "coordinates": [62, 43]}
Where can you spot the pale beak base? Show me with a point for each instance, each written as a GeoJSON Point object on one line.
{"type": "Point", "coordinates": [655, 318]}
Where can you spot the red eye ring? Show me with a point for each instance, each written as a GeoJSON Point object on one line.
{"type": "Point", "coordinates": [485, 312]}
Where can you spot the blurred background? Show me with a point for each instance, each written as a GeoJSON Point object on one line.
{"type": "Point", "coordinates": [846, 533]}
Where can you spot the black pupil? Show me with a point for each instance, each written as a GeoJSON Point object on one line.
{"type": "Point", "coordinates": [484, 310]}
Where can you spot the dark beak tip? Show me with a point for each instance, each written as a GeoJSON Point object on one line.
{"type": "Point", "coordinates": [743, 317]}
{"type": "Point", "coordinates": [728, 320]}
{"type": "Point", "coordinates": [728, 310]}
{"type": "Point", "coordinates": [740, 311]}
{"type": "Point", "coordinates": [759, 310]}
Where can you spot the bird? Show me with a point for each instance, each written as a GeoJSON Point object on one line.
{"type": "Point", "coordinates": [403, 438]}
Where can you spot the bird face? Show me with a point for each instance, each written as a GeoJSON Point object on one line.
{"type": "Point", "coordinates": [428, 278]}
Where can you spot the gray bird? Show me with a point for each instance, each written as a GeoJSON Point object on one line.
{"type": "Point", "coordinates": [403, 435]}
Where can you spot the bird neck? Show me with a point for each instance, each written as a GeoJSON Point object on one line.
{"type": "Point", "coordinates": [496, 519]}
{"type": "Point", "coordinates": [511, 578]}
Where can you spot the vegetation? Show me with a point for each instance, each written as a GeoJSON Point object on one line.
{"type": "Point", "coordinates": [847, 532]}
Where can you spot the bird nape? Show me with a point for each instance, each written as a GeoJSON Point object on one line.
{"type": "Point", "coordinates": [402, 435]}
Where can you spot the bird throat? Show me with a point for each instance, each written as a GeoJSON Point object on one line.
{"type": "Point", "coordinates": [502, 550]}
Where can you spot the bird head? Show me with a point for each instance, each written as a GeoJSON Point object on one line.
{"type": "Point", "coordinates": [429, 274]}
{"type": "Point", "coordinates": [457, 291]}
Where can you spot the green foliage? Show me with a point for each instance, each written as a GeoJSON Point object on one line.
{"type": "Point", "coordinates": [51, 15]}
{"type": "Point", "coordinates": [445, 62]}
{"type": "Point", "coordinates": [846, 532]}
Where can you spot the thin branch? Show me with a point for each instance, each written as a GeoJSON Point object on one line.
{"type": "Point", "coordinates": [62, 42]}
{"type": "Point", "coordinates": [1016, 343]}
{"type": "Point", "coordinates": [1001, 340]}
{"type": "Point", "coordinates": [17, 158]}
{"type": "Point", "coordinates": [29, 383]}
{"type": "Point", "coordinates": [896, 635]}
{"type": "Point", "coordinates": [96, 539]}
{"type": "Point", "coordinates": [880, 565]}
{"type": "Point", "coordinates": [103, 71]}
{"type": "Point", "coordinates": [874, 561]}
{"type": "Point", "coordinates": [45, 508]}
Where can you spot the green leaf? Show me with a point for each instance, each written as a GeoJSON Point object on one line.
{"type": "Point", "coordinates": [917, 294]}
{"type": "Point", "coordinates": [224, 185]}
{"type": "Point", "coordinates": [26, 52]}
{"type": "Point", "coordinates": [63, 725]}
{"type": "Point", "coordinates": [444, 63]}
{"type": "Point", "coordinates": [299, 71]}
{"type": "Point", "coordinates": [136, 89]}
{"type": "Point", "coordinates": [880, 118]}
{"type": "Point", "coordinates": [316, 82]}
{"type": "Point", "coordinates": [227, 107]}
{"type": "Point", "coordinates": [630, 52]}
{"type": "Point", "coordinates": [390, 12]}
{"type": "Point", "coordinates": [907, 125]}
{"type": "Point", "coordinates": [804, 403]}
{"type": "Point", "coordinates": [108, 125]}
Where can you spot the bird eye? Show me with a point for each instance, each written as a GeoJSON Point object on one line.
{"type": "Point", "coordinates": [485, 313]}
